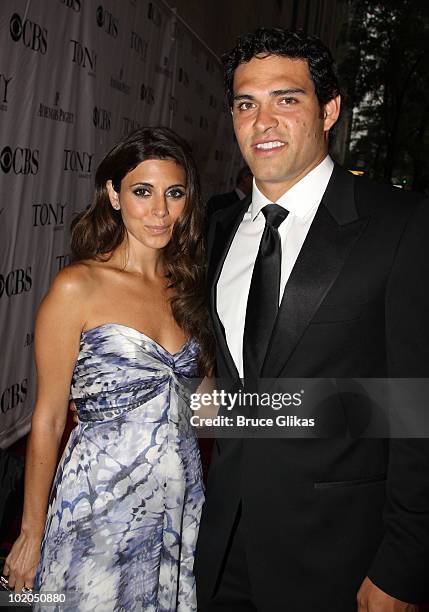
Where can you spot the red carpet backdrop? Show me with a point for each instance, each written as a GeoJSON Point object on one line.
{"type": "Point", "coordinates": [75, 76]}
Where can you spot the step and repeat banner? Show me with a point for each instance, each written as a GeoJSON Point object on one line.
{"type": "Point", "coordinates": [76, 76]}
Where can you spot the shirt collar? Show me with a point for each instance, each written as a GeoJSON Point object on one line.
{"type": "Point", "coordinates": [300, 199]}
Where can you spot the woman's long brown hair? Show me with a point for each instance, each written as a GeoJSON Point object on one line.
{"type": "Point", "coordinates": [99, 230]}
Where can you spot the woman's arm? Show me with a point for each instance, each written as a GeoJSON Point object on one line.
{"type": "Point", "coordinates": [57, 334]}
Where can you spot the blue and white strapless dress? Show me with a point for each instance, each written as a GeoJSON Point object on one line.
{"type": "Point", "coordinates": [126, 500]}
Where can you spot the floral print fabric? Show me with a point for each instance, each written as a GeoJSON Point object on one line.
{"type": "Point", "coordinates": [126, 500]}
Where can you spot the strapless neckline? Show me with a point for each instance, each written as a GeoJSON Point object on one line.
{"type": "Point", "coordinates": [139, 333]}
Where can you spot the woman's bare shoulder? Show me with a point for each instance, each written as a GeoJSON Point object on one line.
{"type": "Point", "coordinates": [70, 295]}
{"type": "Point", "coordinates": [74, 280]}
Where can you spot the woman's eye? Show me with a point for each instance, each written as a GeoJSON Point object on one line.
{"type": "Point", "coordinates": [175, 193]}
{"type": "Point", "coordinates": [141, 192]}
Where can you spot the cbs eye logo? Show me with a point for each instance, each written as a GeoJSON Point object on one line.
{"type": "Point", "coordinates": [22, 160]}
{"type": "Point", "coordinates": [33, 36]}
{"type": "Point", "coordinates": [15, 27]}
{"type": "Point", "coordinates": [6, 159]}
{"type": "Point", "coordinates": [107, 21]}
{"type": "Point", "coordinates": [100, 16]}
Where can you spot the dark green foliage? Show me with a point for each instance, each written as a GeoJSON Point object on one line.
{"type": "Point", "coordinates": [385, 72]}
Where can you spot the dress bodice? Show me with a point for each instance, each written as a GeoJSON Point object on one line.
{"type": "Point", "coordinates": [119, 367]}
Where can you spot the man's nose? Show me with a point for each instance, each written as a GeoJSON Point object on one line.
{"type": "Point", "coordinates": [265, 118]}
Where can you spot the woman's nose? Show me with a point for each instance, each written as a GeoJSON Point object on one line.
{"type": "Point", "coordinates": [159, 207]}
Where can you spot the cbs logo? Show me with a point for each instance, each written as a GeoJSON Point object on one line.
{"type": "Point", "coordinates": [33, 36]}
{"type": "Point", "coordinates": [21, 160]}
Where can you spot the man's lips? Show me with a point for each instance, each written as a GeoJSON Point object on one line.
{"type": "Point", "coordinates": [268, 146]}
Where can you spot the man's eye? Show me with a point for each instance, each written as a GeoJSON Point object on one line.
{"type": "Point", "coordinates": [243, 106]}
{"type": "Point", "coordinates": [288, 101]}
{"type": "Point", "coordinates": [175, 193]}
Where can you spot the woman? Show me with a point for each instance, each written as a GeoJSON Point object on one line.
{"type": "Point", "coordinates": [124, 326]}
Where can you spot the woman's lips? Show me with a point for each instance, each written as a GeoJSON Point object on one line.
{"type": "Point", "coordinates": [158, 229]}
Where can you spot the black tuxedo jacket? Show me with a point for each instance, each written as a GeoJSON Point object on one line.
{"type": "Point", "coordinates": [220, 201]}
{"type": "Point", "coordinates": [321, 514]}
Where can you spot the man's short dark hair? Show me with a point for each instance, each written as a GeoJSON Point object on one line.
{"type": "Point", "coordinates": [287, 43]}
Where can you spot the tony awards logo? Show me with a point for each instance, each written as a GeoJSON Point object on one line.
{"type": "Point", "coordinates": [45, 213]}
{"type": "Point", "coordinates": [4, 91]}
{"type": "Point", "coordinates": [78, 161]}
{"type": "Point", "coordinates": [83, 56]}
{"type": "Point", "coordinates": [139, 45]}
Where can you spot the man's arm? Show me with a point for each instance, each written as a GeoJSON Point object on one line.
{"type": "Point", "coordinates": [401, 565]}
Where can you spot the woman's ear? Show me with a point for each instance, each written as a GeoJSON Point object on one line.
{"type": "Point", "coordinates": [113, 195]}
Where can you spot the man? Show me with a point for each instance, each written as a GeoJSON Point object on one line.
{"type": "Point", "coordinates": [306, 525]}
{"type": "Point", "coordinates": [242, 189]}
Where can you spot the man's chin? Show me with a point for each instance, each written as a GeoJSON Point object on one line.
{"type": "Point", "coordinates": [269, 170]}
{"type": "Point", "coordinates": [271, 178]}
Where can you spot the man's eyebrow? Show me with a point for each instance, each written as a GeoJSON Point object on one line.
{"type": "Point", "coordinates": [243, 97]}
{"type": "Point", "coordinates": [288, 91]}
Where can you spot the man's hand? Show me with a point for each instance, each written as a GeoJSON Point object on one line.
{"type": "Point", "coordinates": [372, 599]}
{"type": "Point", "coordinates": [72, 407]}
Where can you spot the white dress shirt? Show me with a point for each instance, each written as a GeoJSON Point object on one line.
{"type": "Point", "coordinates": [302, 201]}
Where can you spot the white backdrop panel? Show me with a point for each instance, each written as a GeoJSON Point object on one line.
{"type": "Point", "coordinates": [75, 77]}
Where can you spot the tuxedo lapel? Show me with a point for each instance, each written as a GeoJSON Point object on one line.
{"type": "Point", "coordinates": [225, 224]}
{"type": "Point", "coordinates": [334, 231]}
